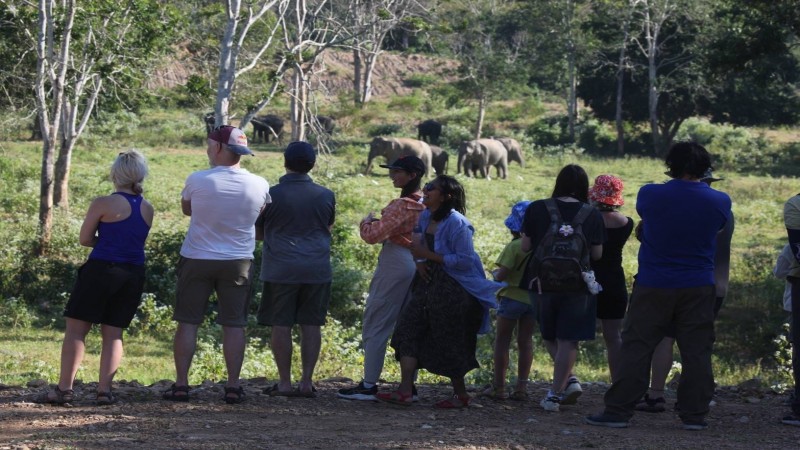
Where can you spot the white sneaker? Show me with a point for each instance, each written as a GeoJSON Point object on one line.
{"type": "Point", "coordinates": [550, 402]}
{"type": "Point", "coordinates": [572, 392]}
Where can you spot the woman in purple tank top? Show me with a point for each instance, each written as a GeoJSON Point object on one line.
{"type": "Point", "coordinates": [110, 284]}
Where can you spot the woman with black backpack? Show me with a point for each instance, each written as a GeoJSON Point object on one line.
{"type": "Point", "coordinates": [565, 233]}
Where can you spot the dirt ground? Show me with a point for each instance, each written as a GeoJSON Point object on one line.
{"type": "Point", "coordinates": [740, 418]}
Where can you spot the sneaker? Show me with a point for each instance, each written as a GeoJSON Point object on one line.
{"type": "Point", "coordinates": [551, 402]}
{"type": "Point", "coordinates": [572, 392]}
{"type": "Point", "coordinates": [359, 392]}
{"type": "Point", "coordinates": [651, 405]}
{"type": "Point", "coordinates": [695, 425]}
{"type": "Point", "coordinates": [791, 419]}
{"type": "Point", "coordinates": [414, 393]}
{"type": "Point", "coordinates": [607, 420]}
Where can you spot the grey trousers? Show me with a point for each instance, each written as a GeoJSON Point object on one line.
{"type": "Point", "coordinates": [388, 292]}
{"type": "Point", "coordinates": [651, 313]}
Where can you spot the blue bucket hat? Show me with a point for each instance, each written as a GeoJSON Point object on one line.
{"type": "Point", "coordinates": [514, 220]}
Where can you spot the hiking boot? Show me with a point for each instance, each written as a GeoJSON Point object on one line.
{"type": "Point", "coordinates": [359, 392]}
{"type": "Point", "coordinates": [551, 402]}
{"type": "Point", "coordinates": [651, 405]}
{"type": "Point", "coordinates": [791, 419]}
{"type": "Point", "coordinates": [606, 420]}
{"type": "Point", "coordinates": [572, 392]}
{"type": "Point", "coordinates": [695, 425]}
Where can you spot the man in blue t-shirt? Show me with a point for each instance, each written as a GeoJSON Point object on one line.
{"type": "Point", "coordinates": [674, 288]}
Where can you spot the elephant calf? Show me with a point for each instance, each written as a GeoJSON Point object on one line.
{"type": "Point", "coordinates": [480, 154]}
{"type": "Point", "coordinates": [439, 158]}
{"type": "Point", "coordinates": [514, 150]}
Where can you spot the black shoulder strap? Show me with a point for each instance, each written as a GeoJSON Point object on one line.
{"type": "Point", "coordinates": [582, 214]}
{"type": "Point", "coordinates": [552, 209]}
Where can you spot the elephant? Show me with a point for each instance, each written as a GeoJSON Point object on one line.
{"type": "Point", "coordinates": [439, 158]}
{"type": "Point", "coordinates": [326, 124]}
{"type": "Point", "coordinates": [429, 131]}
{"type": "Point", "coordinates": [393, 148]}
{"type": "Point", "coordinates": [478, 155]}
{"type": "Point", "coordinates": [514, 150]}
{"type": "Point", "coordinates": [266, 127]}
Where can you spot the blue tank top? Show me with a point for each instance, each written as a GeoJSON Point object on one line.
{"type": "Point", "coordinates": [123, 241]}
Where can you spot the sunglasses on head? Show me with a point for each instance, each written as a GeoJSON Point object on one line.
{"type": "Point", "coordinates": [430, 187]}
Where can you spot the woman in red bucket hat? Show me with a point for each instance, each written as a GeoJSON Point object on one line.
{"type": "Point", "coordinates": [612, 301]}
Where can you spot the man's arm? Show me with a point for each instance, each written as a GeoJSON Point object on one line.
{"type": "Point", "coordinates": [186, 207]}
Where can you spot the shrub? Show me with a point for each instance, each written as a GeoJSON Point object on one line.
{"type": "Point", "coordinates": [386, 129]}
{"type": "Point", "coordinates": [14, 313]}
{"type": "Point", "coordinates": [420, 80]}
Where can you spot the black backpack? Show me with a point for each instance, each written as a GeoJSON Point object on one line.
{"type": "Point", "coordinates": [562, 256]}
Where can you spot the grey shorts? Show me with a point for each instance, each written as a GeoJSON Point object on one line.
{"type": "Point", "coordinates": [285, 305]}
{"type": "Point", "coordinates": [199, 278]}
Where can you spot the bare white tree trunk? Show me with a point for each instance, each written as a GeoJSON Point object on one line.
{"type": "Point", "coordinates": [371, 22]}
{"type": "Point", "coordinates": [236, 29]}
{"type": "Point", "coordinates": [481, 115]}
{"type": "Point", "coordinates": [50, 69]}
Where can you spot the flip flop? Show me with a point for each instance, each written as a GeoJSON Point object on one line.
{"type": "Point", "coordinates": [395, 398]}
{"type": "Point", "coordinates": [309, 394]}
{"type": "Point", "coordinates": [275, 392]}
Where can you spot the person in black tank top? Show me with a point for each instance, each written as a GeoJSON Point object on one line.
{"type": "Point", "coordinates": [109, 286]}
{"type": "Point", "coordinates": [612, 301]}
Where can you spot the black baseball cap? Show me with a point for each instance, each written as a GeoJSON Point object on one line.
{"type": "Point", "coordinates": [409, 163]}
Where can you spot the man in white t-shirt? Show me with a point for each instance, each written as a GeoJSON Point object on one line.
{"type": "Point", "coordinates": [217, 256]}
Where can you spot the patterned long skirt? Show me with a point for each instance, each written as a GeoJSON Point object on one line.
{"type": "Point", "coordinates": [439, 325]}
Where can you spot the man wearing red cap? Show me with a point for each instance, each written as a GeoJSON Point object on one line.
{"type": "Point", "coordinates": [217, 256]}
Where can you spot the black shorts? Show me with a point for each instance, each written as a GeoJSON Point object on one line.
{"type": "Point", "coordinates": [107, 293]}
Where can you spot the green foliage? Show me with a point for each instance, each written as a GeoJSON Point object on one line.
{"type": "Point", "coordinates": [736, 148]}
{"type": "Point", "coordinates": [420, 80]}
{"type": "Point", "coordinates": [14, 313]}
{"type": "Point", "coordinates": [783, 358]}
{"type": "Point", "coordinates": [387, 129]}
{"type": "Point", "coordinates": [153, 318]}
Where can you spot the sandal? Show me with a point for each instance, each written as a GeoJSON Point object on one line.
{"type": "Point", "coordinates": [305, 394]}
{"type": "Point", "coordinates": [172, 394]}
{"type": "Point", "coordinates": [495, 392]}
{"type": "Point", "coordinates": [237, 395]}
{"type": "Point", "coordinates": [64, 397]}
{"type": "Point", "coordinates": [274, 391]}
{"type": "Point", "coordinates": [395, 398]}
{"type": "Point", "coordinates": [519, 396]}
{"type": "Point", "coordinates": [454, 402]}
{"type": "Point", "coordinates": [105, 398]}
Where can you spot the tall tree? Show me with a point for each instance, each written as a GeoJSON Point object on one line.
{"type": "Point", "coordinates": [489, 42]}
{"type": "Point", "coordinates": [309, 28]}
{"type": "Point", "coordinates": [115, 39]}
{"type": "Point", "coordinates": [241, 17]}
{"type": "Point", "coordinates": [372, 20]}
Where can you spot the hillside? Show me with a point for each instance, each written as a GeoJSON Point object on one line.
{"type": "Point", "coordinates": [389, 78]}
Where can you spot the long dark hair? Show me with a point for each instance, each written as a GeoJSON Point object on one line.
{"type": "Point", "coordinates": [413, 185]}
{"type": "Point", "coordinates": [573, 182]}
{"type": "Point", "coordinates": [454, 197]}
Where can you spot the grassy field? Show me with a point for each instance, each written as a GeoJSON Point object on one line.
{"type": "Point", "coordinates": [174, 145]}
